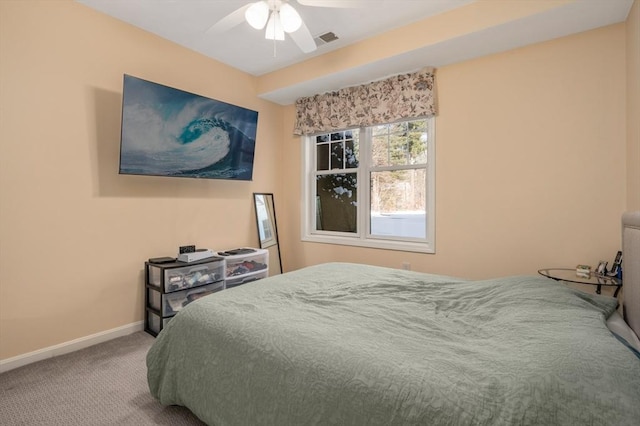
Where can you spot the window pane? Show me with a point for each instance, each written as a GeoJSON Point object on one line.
{"type": "Point", "coordinates": [337, 155]}
{"type": "Point", "coordinates": [389, 150]}
{"type": "Point", "coordinates": [379, 150]}
{"type": "Point", "coordinates": [397, 146]}
{"type": "Point", "coordinates": [322, 157]}
{"type": "Point", "coordinates": [336, 203]}
{"type": "Point", "coordinates": [398, 203]}
{"type": "Point", "coordinates": [351, 154]}
{"type": "Point", "coordinates": [398, 127]}
{"type": "Point", "coordinates": [417, 147]}
{"type": "Point", "coordinates": [398, 152]}
{"type": "Point", "coordinates": [337, 151]}
{"type": "Point", "coordinates": [380, 130]}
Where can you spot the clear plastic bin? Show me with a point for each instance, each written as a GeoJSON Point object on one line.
{"type": "Point", "coordinates": [246, 278]}
{"type": "Point", "coordinates": [191, 275]}
{"type": "Point", "coordinates": [249, 262]}
{"type": "Point", "coordinates": [172, 303]}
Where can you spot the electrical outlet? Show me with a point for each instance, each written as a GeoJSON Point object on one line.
{"type": "Point", "coordinates": [406, 266]}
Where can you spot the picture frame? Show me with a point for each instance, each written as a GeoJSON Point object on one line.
{"type": "Point", "coordinates": [602, 267]}
{"type": "Point", "coordinates": [169, 132]}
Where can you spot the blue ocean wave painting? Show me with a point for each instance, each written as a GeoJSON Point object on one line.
{"type": "Point", "coordinates": [169, 132]}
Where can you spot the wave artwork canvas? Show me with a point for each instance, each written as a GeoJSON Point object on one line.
{"type": "Point", "coordinates": [170, 132]}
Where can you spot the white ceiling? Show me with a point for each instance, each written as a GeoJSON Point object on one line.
{"type": "Point", "coordinates": [186, 22]}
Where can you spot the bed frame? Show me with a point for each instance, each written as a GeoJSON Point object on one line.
{"type": "Point", "coordinates": [631, 269]}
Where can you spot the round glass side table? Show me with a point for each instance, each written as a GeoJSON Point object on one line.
{"type": "Point", "coordinates": [570, 275]}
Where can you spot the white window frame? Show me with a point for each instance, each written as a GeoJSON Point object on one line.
{"type": "Point", "coordinates": [363, 238]}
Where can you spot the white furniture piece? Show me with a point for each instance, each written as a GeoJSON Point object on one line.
{"type": "Point", "coordinates": [245, 264]}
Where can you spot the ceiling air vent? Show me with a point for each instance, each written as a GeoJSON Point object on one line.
{"type": "Point", "coordinates": [325, 38]}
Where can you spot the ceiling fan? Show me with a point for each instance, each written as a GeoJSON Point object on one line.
{"type": "Point", "coordinates": [279, 17]}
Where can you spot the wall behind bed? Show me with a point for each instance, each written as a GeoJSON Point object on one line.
{"type": "Point", "coordinates": [531, 149]}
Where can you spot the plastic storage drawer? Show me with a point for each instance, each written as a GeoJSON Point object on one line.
{"type": "Point", "coordinates": [188, 276]}
{"type": "Point", "coordinates": [245, 278]}
{"type": "Point", "coordinates": [172, 303]}
{"type": "Point", "coordinates": [250, 261]}
{"type": "Point", "coordinates": [155, 323]}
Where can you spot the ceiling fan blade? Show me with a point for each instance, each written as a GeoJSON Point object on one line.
{"type": "Point", "coordinates": [303, 38]}
{"type": "Point", "coordinates": [342, 4]}
{"type": "Point", "coordinates": [233, 19]}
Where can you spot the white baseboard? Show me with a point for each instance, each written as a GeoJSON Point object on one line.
{"type": "Point", "coordinates": [71, 346]}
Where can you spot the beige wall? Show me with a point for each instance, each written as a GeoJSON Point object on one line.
{"type": "Point", "coordinates": [531, 145]}
{"type": "Point", "coordinates": [530, 148]}
{"type": "Point", "coordinates": [73, 233]}
{"type": "Point", "coordinates": [633, 107]}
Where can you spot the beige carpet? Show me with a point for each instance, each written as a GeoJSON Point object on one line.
{"type": "Point", "coordinates": [105, 384]}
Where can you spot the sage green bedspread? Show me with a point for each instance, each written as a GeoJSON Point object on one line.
{"type": "Point", "coordinates": [345, 344]}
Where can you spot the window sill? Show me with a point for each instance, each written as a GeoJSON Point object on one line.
{"type": "Point", "coordinates": [418, 247]}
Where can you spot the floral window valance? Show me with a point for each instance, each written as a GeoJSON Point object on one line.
{"type": "Point", "coordinates": [385, 101]}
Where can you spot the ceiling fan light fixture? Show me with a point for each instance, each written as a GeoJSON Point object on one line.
{"type": "Point", "coordinates": [274, 27]}
{"type": "Point", "coordinates": [257, 14]}
{"type": "Point", "coordinates": [289, 18]}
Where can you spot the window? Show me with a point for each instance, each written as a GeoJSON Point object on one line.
{"type": "Point", "coordinates": [371, 187]}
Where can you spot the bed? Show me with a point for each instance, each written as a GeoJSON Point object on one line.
{"type": "Point", "coordinates": [349, 344]}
